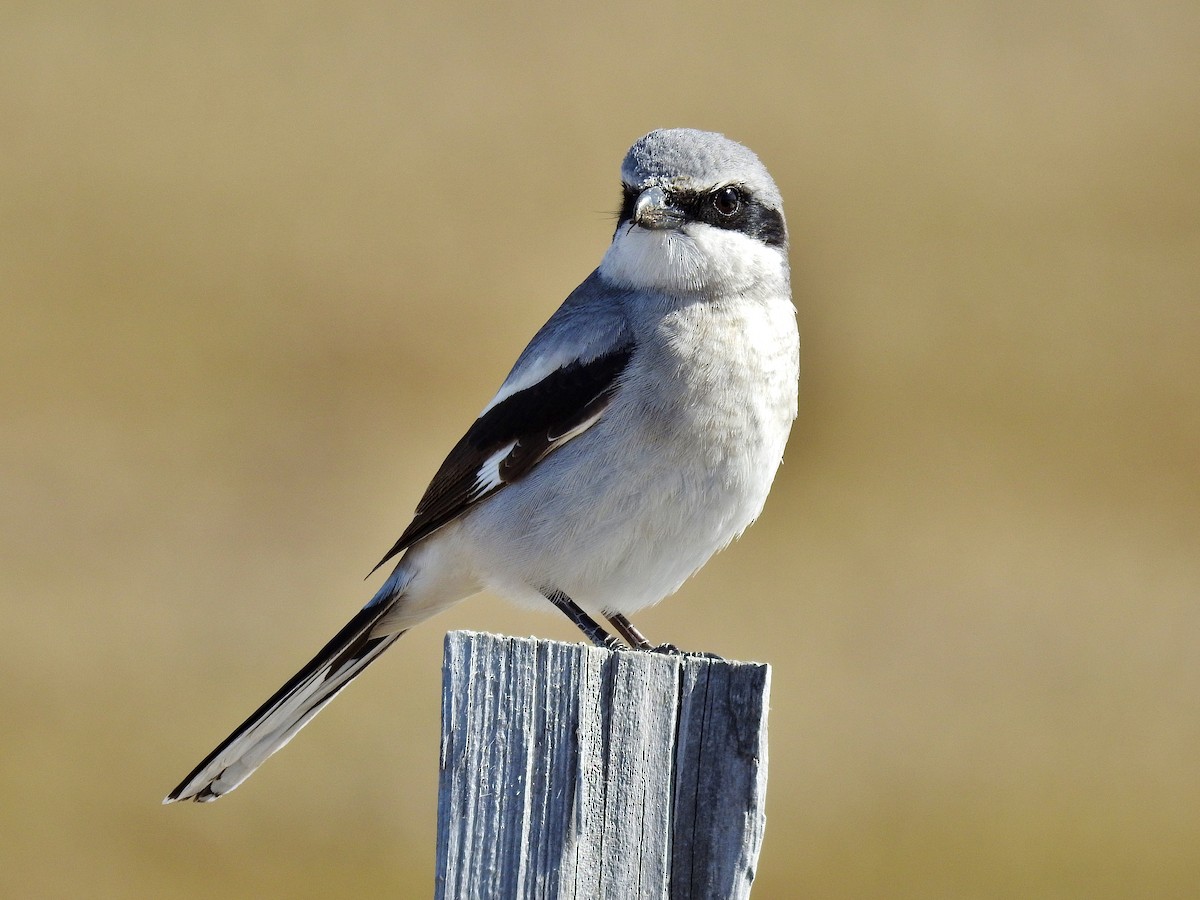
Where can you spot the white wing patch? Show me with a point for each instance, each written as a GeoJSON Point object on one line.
{"type": "Point", "coordinates": [488, 478]}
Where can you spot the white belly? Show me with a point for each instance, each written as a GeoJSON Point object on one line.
{"type": "Point", "coordinates": [620, 517]}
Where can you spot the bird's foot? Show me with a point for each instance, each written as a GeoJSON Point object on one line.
{"type": "Point", "coordinates": [667, 650]}
{"type": "Point", "coordinates": [672, 650]}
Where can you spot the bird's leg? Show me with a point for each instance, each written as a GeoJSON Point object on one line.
{"type": "Point", "coordinates": [638, 641]}
{"type": "Point", "coordinates": [584, 622]}
{"type": "Point", "coordinates": [629, 631]}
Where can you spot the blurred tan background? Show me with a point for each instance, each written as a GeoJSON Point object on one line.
{"type": "Point", "coordinates": [260, 266]}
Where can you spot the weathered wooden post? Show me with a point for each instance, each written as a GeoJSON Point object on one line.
{"type": "Point", "coordinates": [568, 771]}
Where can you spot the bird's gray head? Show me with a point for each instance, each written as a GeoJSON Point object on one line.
{"type": "Point", "coordinates": [699, 212]}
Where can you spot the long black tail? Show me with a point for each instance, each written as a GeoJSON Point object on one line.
{"type": "Point", "coordinates": [291, 707]}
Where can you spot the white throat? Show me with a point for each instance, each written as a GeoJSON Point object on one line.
{"type": "Point", "coordinates": [691, 259]}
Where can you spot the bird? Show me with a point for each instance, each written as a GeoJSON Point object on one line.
{"type": "Point", "coordinates": [637, 434]}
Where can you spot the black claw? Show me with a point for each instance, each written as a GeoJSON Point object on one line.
{"type": "Point", "coordinates": [672, 650]}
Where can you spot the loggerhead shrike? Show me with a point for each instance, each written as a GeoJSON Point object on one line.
{"type": "Point", "coordinates": [637, 435]}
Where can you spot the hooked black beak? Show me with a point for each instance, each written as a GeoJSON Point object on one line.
{"type": "Point", "coordinates": [653, 209]}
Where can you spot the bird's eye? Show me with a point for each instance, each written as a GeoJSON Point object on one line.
{"type": "Point", "coordinates": [727, 201]}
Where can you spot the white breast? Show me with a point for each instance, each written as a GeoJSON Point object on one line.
{"type": "Point", "coordinates": [679, 465]}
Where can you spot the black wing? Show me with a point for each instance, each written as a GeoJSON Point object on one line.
{"type": "Point", "coordinates": [511, 438]}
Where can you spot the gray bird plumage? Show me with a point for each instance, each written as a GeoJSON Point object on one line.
{"type": "Point", "coordinates": [636, 435]}
{"type": "Point", "coordinates": [698, 158]}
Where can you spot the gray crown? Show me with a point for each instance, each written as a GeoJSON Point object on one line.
{"type": "Point", "coordinates": [697, 160]}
